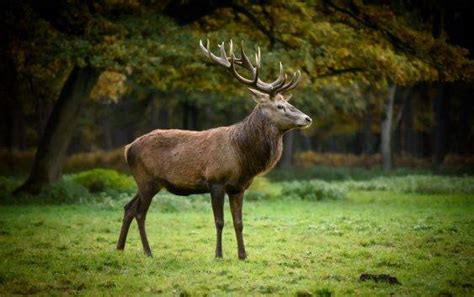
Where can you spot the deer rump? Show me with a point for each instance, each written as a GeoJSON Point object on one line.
{"type": "Point", "coordinates": [185, 162]}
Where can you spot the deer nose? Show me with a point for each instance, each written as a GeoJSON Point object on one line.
{"type": "Point", "coordinates": [308, 120]}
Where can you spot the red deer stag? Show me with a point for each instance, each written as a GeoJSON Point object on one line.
{"type": "Point", "coordinates": [216, 161]}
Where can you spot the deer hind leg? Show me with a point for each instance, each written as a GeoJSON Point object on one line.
{"type": "Point", "coordinates": [217, 197]}
{"type": "Point", "coordinates": [129, 213]}
{"type": "Point", "coordinates": [147, 192]}
{"type": "Point", "coordinates": [236, 201]}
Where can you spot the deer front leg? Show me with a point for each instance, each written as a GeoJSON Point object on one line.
{"type": "Point", "coordinates": [217, 197]}
{"type": "Point", "coordinates": [236, 201]}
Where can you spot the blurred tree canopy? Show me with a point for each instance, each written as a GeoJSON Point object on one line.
{"type": "Point", "coordinates": [346, 50]}
{"type": "Point", "coordinates": [156, 44]}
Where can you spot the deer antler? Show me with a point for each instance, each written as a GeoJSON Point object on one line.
{"type": "Point", "coordinates": [280, 85]}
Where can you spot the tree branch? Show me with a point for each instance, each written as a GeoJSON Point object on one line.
{"type": "Point", "coordinates": [273, 39]}
{"type": "Point", "coordinates": [404, 98]}
{"type": "Point", "coordinates": [332, 72]}
{"type": "Point", "coordinates": [364, 20]}
{"type": "Point", "coordinates": [270, 18]}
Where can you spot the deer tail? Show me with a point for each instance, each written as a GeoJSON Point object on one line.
{"type": "Point", "coordinates": [125, 153]}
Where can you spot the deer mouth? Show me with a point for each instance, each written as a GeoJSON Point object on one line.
{"type": "Point", "coordinates": [304, 126]}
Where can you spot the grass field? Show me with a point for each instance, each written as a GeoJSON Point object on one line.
{"type": "Point", "coordinates": [295, 247]}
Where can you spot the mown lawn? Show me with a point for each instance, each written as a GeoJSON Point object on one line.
{"type": "Point", "coordinates": [295, 247]}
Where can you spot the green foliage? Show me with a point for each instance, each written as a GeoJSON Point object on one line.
{"type": "Point", "coordinates": [103, 180]}
{"type": "Point", "coordinates": [312, 190]}
{"type": "Point", "coordinates": [168, 203]}
{"type": "Point", "coordinates": [104, 187]}
{"type": "Point", "coordinates": [138, 40]}
{"type": "Point", "coordinates": [422, 184]}
{"type": "Point", "coordinates": [329, 173]}
{"type": "Point", "coordinates": [8, 184]}
{"type": "Point", "coordinates": [63, 191]}
{"type": "Point", "coordinates": [320, 172]}
{"type": "Point", "coordinates": [262, 189]}
{"type": "Point", "coordinates": [109, 189]}
{"type": "Point", "coordinates": [257, 196]}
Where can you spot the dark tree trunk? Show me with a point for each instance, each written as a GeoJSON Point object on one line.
{"type": "Point", "coordinates": [386, 130]}
{"type": "Point", "coordinates": [401, 96]}
{"type": "Point", "coordinates": [159, 114]}
{"type": "Point", "coordinates": [441, 108]}
{"type": "Point", "coordinates": [190, 116]}
{"type": "Point", "coordinates": [287, 157]}
{"type": "Point", "coordinates": [194, 117]}
{"type": "Point", "coordinates": [186, 116]}
{"type": "Point", "coordinates": [163, 115]}
{"type": "Point", "coordinates": [13, 117]}
{"type": "Point", "coordinates": [4, 126]}
{"type": "Point", "coordinates": [366, 136]}
{"type": "Point", "coordinates": [43, 111]}
{"type": "Point", "coordinates": [54, 142]}
{"type": "Point", "coordinates": [17, 128]}
{"type": "Point", "coordinates": [306, 142]}
{"type": "Point", "coordinates": [153, 110]}
{"type": "Point", "coordinates": [465, 144]}
{"type": "Point", "coordinates": [107, 131]}
{"type": "Point", "coordinates": [407, 141]}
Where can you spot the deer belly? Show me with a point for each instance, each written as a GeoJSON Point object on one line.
{"type": "Point", "coordinates": [199, 187]}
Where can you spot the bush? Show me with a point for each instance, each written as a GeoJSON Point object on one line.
{"type": "Point", "coordinates": [311, 158]}
{"type": "Point", "coordinates": [8, 184]}
{"type": "Point", "coordinates": [313, 190]}
{"type": "Point", "coordinates": [257, 196]}
{"type": "Point", "coordinates": [422, 184]}
{"type": "Point", "coordinates": [63, 191]}
{"type": "Point", "coordinates": [327, 173]}
{"type": "Point", "coordinates": [262, 189]}
{"type": "Point", "coordinates": [17, 162]}
{"type": "Point", "coordinates": [170, 203]}
{"type": "Point", "coordinates": [104, 180]}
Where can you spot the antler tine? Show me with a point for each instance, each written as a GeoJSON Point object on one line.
{"type": "Point", "coordinates": [245, 60]}
{"type": "Point", "coordinates": [231, 48]}
{"type": "Point", "coordinates": [223, 56]}
{"type": "Point", "coordinates": [240, 77]}
{"type": "Point", "coordinates": [280, 81]}
{"type": "Point", "coordinates": [248, 65]}
{"type": "Point", "coordinates": [258, 58]}
{"type": "Point", "coordinates": [204, 49]}
{"type": "Point", "coordinates": [255, 76]}
{"type": "Point", "coordinates": [291, 84]}
{"type": "Point", "coordinates": [222, 60]}
{"type": "Point", "coordinates": [295, 79]}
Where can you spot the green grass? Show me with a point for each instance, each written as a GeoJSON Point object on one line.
{"type": "Point", "coordinates": [295, 247]}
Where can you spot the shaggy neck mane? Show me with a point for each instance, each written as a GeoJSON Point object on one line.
{"type": "Point", "coordinates": [259, 143]}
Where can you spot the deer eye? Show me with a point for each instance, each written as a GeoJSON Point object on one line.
{"type": "Point", "coordinates": [280, 107]}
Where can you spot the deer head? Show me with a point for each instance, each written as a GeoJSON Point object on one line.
{"type": "Point", "coordinates": [272, 98]}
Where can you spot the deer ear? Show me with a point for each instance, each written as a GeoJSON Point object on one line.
{"type": "Point", "coordinates": [259, 96]}
{"type": "Point", "coordinates": [288, 97]}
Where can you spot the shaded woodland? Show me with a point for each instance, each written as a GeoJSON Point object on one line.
{"type": "Point", "coordinates": [379, 77]}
